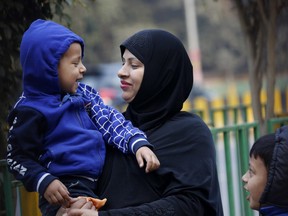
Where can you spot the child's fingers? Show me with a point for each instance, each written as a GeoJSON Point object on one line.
{"type": "Point", "coordinates": [144, 154]}
{"type": "Point", "coordinates": [152, 163]}
{"type": "Point", "coordinates": [139, 159]}
{"type": "Point", "coordinates": [57, 193]}
{"type": "Point", "coordinates": [55, 198]}
{"type": "Point", "coordinates": [64, 197]}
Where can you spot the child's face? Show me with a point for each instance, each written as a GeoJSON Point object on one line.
{"type": "Point", "coordinates": [255, 180]}
{"type": "Point", "coordinates": [71, 68]}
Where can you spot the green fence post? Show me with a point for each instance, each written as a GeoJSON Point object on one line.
{"type": "Point", "coordinates": [229, 172]}
{"type": "Point", "coordinates": [243, 153]}
{"type": "Point", "coordinates": [7, 186]}
{"type": "Point", "coordinates": [225, 115]}
{"type": "Point", "coordinates": [273, 122]}
{"type": "Point", "coordinates": [235, 115]}
{"type": "Point", "coordinates": [244, 112]}
{"type": "Point", "coordinates": [211, 114]}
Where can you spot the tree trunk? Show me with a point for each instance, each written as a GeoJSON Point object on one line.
{"type": "Point", "coordinates": [256, 77]}
{"type": "Point", "coordinates": [254, 43]}
{"type": "Point", "coordinates": [271, 44]}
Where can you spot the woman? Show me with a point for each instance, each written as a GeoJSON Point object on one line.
{"type": "Point", "coordinates": [156, 79]}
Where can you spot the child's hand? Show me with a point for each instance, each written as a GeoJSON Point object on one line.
{"type": "Point", "coordinates": [146, 154]}
{"type": "Point", "coordinates": [57, 193]}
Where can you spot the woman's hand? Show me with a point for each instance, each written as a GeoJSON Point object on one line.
{"type": "Point", "coordinates": [146, 154]}
{"type": "Point", "coordinates": [79, 206]}
{"type": "Point", "coordinates": [81, 212]}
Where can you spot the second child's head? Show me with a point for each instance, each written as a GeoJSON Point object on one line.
{"type": "Point", "coordinates": [255, 178]}
{"type": "Point", "coordinates": [51, 58]}
{"type": "Point", "coordinates": [267, 177]}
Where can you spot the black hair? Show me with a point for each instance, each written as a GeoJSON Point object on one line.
{"type": "Point", "coordinates": [263, 148]}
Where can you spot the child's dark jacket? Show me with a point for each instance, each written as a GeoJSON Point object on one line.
{"type": "Point", "coordinates": [276, 191]}
{"type": "Point", "coordinates": [52, 134]}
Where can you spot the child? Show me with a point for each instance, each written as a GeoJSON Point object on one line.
{"type": "Point", "coordinates": [267, 177]}
{"type": "Point", "coordinates": [59, 127]}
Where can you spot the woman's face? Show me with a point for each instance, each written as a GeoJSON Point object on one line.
{"type": "Point", "coordinates": [255, 180]}
{"type": "Point", "coordinates": [131, 75]}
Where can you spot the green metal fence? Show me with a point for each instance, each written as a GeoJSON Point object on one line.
{"type": "Point", "coordinates": [10, 190]}
{"type": "Point", "coordinates": [235, 141]}
{"type": "Point", "coordinates": [230, 114]}
{"type": "Point", "coordinates": [274, 123]}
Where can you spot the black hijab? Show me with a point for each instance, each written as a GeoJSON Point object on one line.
{"type": "Point", "coordinates": [167, 80]}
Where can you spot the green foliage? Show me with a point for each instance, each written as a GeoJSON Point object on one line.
{"type": "Point", "coordinates": [15, 18]}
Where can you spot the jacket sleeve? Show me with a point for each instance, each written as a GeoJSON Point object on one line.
{"type": "Point", "coordinates": [25, 138]}
{"type": "Point", "coordinates": [116, 130]}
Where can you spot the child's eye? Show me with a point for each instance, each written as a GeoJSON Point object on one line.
{"type": "Point", "coordinates": [250, 172]}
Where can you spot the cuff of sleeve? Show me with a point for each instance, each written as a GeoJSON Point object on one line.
{"type": "Point", "coordinates": [44, 181]}
{"type": "Point", "coordinates": [137, 142]}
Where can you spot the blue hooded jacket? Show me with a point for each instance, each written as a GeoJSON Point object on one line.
{"type": "Point", "coordinates": [52, 134]}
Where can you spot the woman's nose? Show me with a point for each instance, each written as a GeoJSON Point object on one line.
{"type": "Point", "coordinates": [122, 72]}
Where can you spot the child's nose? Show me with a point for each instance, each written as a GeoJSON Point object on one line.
{"type": "Point", "coordinates": [244, 177]}
{"type": "Point", "coordinates": [83, 69]}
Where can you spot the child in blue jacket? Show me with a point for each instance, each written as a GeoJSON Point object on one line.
{"type": "Point", "coordinates": [59, 126]}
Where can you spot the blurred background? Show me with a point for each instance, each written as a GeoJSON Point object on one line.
{"type": "Point", "coordinates": [238, 48]}
{"type": "Point", "coordinates": [224, 39]}
{"type": "Point", "coordinates": [218, 46]}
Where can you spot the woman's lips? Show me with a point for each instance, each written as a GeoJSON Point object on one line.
{"type": "Point", "coordinates": [124, 85]}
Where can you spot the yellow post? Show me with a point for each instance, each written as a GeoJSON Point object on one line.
{"type": "Point", "coordinates": [232, 96]}
{"type": "Point", "coordinates": [233, 100]}
{"type": "Point", "coordinates": [247, 101]}
{"type": "Point", "coordinates": [218, 115]}
{"type": "Point", "coordinates": [201, 103]}
{"type": "Point", "coordinates": [187, 106]}
{"type": "Point", "coordinates": [263, 101]}
{"type": "Point", "coordinates": [29, 203]}
{"type": "Point", "coordinates": [277, 102]}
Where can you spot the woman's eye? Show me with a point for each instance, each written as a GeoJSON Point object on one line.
{"type": "Point", "coordinates": [134, 66]}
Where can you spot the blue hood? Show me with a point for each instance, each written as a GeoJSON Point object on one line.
{"type": "Point", "coordinates": [41, 49]}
